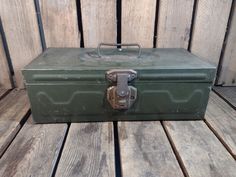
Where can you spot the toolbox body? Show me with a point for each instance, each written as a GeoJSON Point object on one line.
{"type": "Point", "coordinates": [78, 84]}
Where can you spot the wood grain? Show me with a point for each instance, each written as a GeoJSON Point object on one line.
{"type": "Point", "coordinates": [3, 92]}
{"type": "Point", "coordinates": [228, 94]}
{"type": "Point", "coordinates": [222, 118]}
{"type": "Point", "coordinates": [99, 22]}
{"type": "Point", "coordinates": [22, 34]}
{"type": "Point", "coordinates": [34, 151]}
{"type": "Point", "coordinates": [145, 150]}
{"type": "Point", "coordinates": [174, 23]}
{"type": "Point", "coordinates": [138, 19]}
{"type": "Point", "coordinates": [13, 109]}
{"type": "Point", "coordinates": [88, 151]}
{"type": "Point", "coordinates": [228, 73]}
{"type": "Point", "coordinates": [201, 152]}
{"type": "Point", "coordinates": [4, 70]}
{"type": "Point", "coordinates": [60, 24]}
{"type": "Point", "coordinates": [209, 28]}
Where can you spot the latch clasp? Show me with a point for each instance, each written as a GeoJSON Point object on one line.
{"type": "Point", "coordinates": [121, 95]}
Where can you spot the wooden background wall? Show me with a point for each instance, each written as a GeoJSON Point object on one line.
{"type": "Point", "coordinates": [207, 28]}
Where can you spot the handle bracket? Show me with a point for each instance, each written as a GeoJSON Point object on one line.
{"type": "Point", "coordinates": [118, 45]}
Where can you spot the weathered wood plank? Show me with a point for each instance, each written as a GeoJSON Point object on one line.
{"type": "Point", "coordinates": [88, 151]}
{"type": "Point", "coordinates": [34, 151]}
{"type": "Point", "coordinates": [174, 23]}
{"type": "Point", "coordinates": [209, 28]}
{"type": "Point", "coordinates": [222, 118]}
{"type": "Point", "coordinates": [4, 70]}
{"type": "Point", "coordinates": [201, 152]}
{"type": "Point", "coordinates": [228, 73]}
{"type": "Point", "coordinates": [99, 22]}
{"type": "Point", "coordinates": [60, 24]}
{"type": "Point", "coordinates": [138, 20]}
{"type": "Point", "coordinates": [3, 92]}
{"type": "Point", "coordinates": [228, 93]}
{"type": "Point", "coordinates": [22, 34]}
{"type": "Point", "coordinates": [145, 150]}
{"type": "Point", "coordinates": [13, 108]}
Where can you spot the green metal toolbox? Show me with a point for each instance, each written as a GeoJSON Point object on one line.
{"type": "Point", "coordinates": [128, 83]}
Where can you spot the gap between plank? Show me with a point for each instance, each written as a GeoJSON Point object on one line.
{"type": "Point", "coordinates": [192, 24]}
{"type": "Point", "coordinates": [228, 102]}
{"type": "Point", "coordinates": [177, 155]}
{"type": "Point", "coordinates": [156, 24]}
{"type": "Point", "coordinates": [40, 24]}
{"type": "Point", "coordinates": [229, 23]}
{"type": "Point", "coordinates": [118, 19]}
{"type": "Point", "coordinates": [6, 49]}
{"type": "Point", "coordinates": [118, 170]}
{"type": "Point", "coordinates": [60, 151]}
{"type": "Point", "coordinates": [80, 24]}
{"type": "Point", "coordinates": [5, 94]}
{"type": "Point", "coordinates": [21, 124]}
{"type": "Point", "coordinates": [220, 139]}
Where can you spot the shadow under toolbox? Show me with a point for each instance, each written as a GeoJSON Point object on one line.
{"type": "Point", "coordinates": [78, 84]}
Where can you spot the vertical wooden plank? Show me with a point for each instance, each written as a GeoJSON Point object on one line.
{"type": "Point", "coordinates": [145, 150]}
{"type": "Point", "coordinates": [228, 73]}
{"type": "Point", "coordinates": [88, 151]}
{"type": "Point", "coordinates": [174, 23]}
{"type": "Point", "coordinates": [209, 28]}
{"type": "Point", "coordinates": [22, 34]}
{"type": "Point", "coordinates": [99, 22]}
{"type": "Point", "coordinates": [138, 19]}
{"type": "Point", "coordinates": [59, 18]}
{"type": "Point", "coordinates": [4, 70]}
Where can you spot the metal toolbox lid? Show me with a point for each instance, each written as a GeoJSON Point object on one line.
{"type": "Point", "coordinates": [161, 65]}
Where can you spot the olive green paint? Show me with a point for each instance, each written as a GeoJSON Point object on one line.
{"type": "Point", "coordinates": [69, 85]}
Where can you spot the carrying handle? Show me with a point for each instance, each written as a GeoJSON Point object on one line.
{"type": "Point", "coordinates": [112, 44]}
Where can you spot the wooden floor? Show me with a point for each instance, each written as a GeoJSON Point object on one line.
{"type": "Point", "coordinates": [228, 94]}
{"type": "Point", "coordinates": [129, 149]}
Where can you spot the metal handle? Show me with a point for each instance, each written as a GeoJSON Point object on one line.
{"type": "Point", "coordinates": [111, 44]}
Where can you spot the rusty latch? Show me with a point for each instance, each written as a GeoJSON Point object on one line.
{"type": "Point", "coordinates": [121, 95]}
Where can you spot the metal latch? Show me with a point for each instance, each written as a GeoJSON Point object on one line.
{"type": "Point", "coordinates": [121, 95]}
